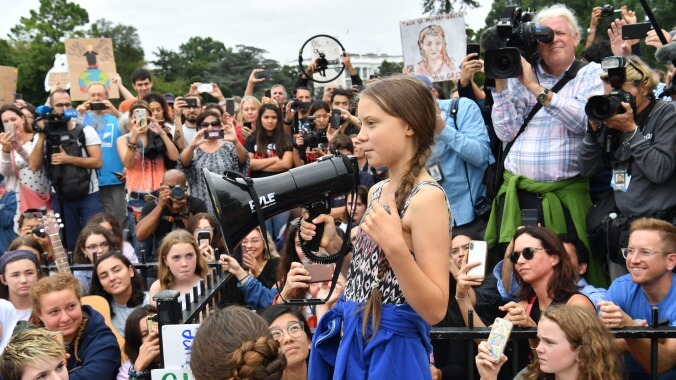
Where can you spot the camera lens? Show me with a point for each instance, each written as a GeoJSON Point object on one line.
{"type": "Point", "coordinates": [602, 107]}
{"type": "Point", "coordinates": [178, 193]}
{"type": "Point", "coordinates": [607, 10]}
{"type": "Point", "coordinates": [503, 63]}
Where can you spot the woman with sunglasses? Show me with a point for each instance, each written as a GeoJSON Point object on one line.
{"type": "Point", "coordinates": [93, 240]}
{"type": "Point", "coordinates": [290, 329]}
{"type": "Point", "coordinates": [214, 147]}
{"type": "Point", "coordinates": [546, 277]}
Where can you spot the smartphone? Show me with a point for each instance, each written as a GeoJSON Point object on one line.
{"type": "Point", "coordinates": [230, 106]}
{"type": "Point", "coordinates": [214, 135]}
{"type": "Point", "coordinates": [636, 31]}
{"type": "Point", "coordinates": [151, 323]}
{"type": "Point", "coordinates": [141, 114]}
{"type": "Point", "coordinates": [529, 217]}
{"type": "Point", "coordinates": [190, 102]}
{"type": "Point", "coordinates": [119, 175]}
{"type": "Point", "coordinates": [319, 272]}
{"type": "Point", "coordinates": [474, 48]}
{"type": "Point", "coordinates": [8, 128]}
{"type": "Point", "coordinates": [335, 119]}
{"type": "Point", "coordinates": [99, 107]}
{"type": "Point", "coordinates": [205, 87]}
{"type": "Point", "coordinates": [203, 237]}
{"type": "Point", "coordinates": [268, 93]}
{"type": "Point", "coordinates": [18, 96]}
{"type": "Point", "coordinates": [262, 75]}
{"type": "Point", "coordinates": [499, 336]}
{"type": "Point", "coordinates": [247, 124]}
{"type": "Point", "coordinates": [477, 252]}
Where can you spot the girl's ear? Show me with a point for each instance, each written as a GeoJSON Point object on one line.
{"type": "Point", "coordinates": [409, 131]}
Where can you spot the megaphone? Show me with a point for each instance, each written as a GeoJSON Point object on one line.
{"type": "Point", "coordinates": [310, 186]}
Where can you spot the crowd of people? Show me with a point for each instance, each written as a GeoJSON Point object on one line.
{"type": "Point", "coordinates": [597, 254]}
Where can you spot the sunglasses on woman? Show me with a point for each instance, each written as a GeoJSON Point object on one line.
{"type": "Point", "coordinates": [205, 124]}
{"type": "Point", "coordinates": [527, 254]}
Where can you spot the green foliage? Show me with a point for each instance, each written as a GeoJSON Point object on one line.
{"type": "Point", "coordinates": [389, 68]}
{"type": "Point", "coordinates": [126, 45]}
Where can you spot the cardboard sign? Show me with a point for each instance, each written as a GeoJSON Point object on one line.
{"type": "Point", "coordinates": [176, 342]}
{"type": "Point", "coordinates": [90, 60]}
{"type": "Point", "coordinates": [171, 374]}
{"type": "Point", "coordinates": [8, 77]}
{"type": "Point", "coordinates": [434, 46]}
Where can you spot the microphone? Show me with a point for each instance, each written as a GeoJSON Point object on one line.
{"type": "Point", "coordinates": [43, 110]}
{"type": "Point", "coordinates": [666, 53]}
{"type": "Point", "coordinates": [491, 39]}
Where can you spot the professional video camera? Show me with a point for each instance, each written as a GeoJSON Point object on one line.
{"type": "Point", "coordinates": [519, 36]}
{"type": "Point", "coordinates": [314, 138]}
{"type": "Point", "coordinates": [55, 124]}
{"type": "Point", "coordinates": [603, 107]}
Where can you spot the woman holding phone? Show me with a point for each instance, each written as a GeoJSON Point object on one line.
{"type": "Point", "coordinates": [205, 230]}
{"type": "Point", "coordinates": [143, 151]}
{"type": "Point", "coordinates": [215, 147]}
{"type": "Point", "coordinates": [247, 116]}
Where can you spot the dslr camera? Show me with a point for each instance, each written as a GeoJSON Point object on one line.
{"type": "Point", "coordinates": [298, 105]}
{"type": "Point", "coordinates": [519, 36]}
{"type": "Point", "coordinates": [314, 138]}
{"type": "Point", "coordinates": [602, 107]}
{"type": "Point", "coordinates": [178, 192]}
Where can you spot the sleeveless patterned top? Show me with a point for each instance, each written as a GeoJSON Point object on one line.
{"type": "Point", "coordinates": [363, 273]}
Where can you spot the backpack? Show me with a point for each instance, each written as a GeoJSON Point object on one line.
{"type": "Point", "coordinates": [70, 182]}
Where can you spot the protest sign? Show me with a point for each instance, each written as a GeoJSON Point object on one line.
{"type": "Point", "coordinates": [90, 60]}
{"type": "Point", "coordinates": [8, 77]}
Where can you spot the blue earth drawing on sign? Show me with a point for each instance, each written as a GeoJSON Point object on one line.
{"type": "Point", "coordinates": [90, 76]}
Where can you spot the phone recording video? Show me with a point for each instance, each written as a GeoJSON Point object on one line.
{"type": "Point", "coordinates": [205, 87]}
{"type": "Point", "coordinates": [230, 106]}
{"type": "Point", "coordinates": [203, 237]}
{"type": "Point", "coordinates": [141, 114]}
{"type": "Point", "coordinates": [319, 272]}
{"type": "Point", "coordinates": [335, 119]}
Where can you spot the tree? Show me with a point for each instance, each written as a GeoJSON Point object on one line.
{"type": "Point", "coordinates": [126, 45]}
{"type": "Point", "coordinates": [447, 6]}
{"type": "Point", "coordinates": [36, 39]}
{"type": "Point", "coordinates": [389, 68]}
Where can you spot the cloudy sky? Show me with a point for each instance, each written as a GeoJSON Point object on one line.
{"type": "Point", "coordinates": [280, 27]}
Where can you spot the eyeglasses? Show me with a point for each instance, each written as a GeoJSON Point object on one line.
{"type": "Point", "coordinates": [61, 105]}
{"type": "Point", "coordinates": [295, 330]}
{"type": "Point", "coordinates": [205, 229]}
{"type": "Point", "coordinates": [33, 214]}
{"type": "Point", "coordinates": [527, 254]}
{"type": "Point", "coordinates": [94, 247]}
{"type": "Point", "coordinates": [205, 124]}
{"type": "Point", "coordinates": [626, 252]}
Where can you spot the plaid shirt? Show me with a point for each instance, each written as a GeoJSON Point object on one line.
{"type": "Point", "coordinates": [548, 150]}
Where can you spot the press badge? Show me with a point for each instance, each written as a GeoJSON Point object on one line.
{"type": "Point", "coordinates": [435, 172]}
{"type": "Point", "coordinates": [620, 180]}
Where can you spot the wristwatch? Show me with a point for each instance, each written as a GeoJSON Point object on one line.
{"type": "Point", "coordinates": [542, 96]}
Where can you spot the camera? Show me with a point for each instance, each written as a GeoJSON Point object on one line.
{"type": "Point", "coordinates": [607, 10]}
{"type": "Point", "coordinates": [520, 37]}
{"type": "Point", "coordinates": [54, 122]}
{"type": "Point", "coordinates": [313, 137]}
{"type": "Point", "coordinates": [178, 192]}
{"type": "Point", "coordinates": [603, 107]}
{"type": "Point", "coordinates": [39, 231]}
{"type": "Point", "coordinates": [299, 105]}
{"type": "Point", "coordinates": [98, 106]}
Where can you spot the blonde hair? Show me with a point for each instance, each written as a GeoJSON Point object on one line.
{"type": "Point", "coordinates": [240, 114]}
{"type": "Point", "coordinates": [666, 230]}
{"type": "Point", "coordinates": [597, 359]}
{"type": "Point", "coordinates": [28, 348]}
{"type": "Point", "coordinates": [559, 10]}
{"type": "Point", "coordinates": [55, 283]}
{"type": "Point", "coordinates": [175, 237]}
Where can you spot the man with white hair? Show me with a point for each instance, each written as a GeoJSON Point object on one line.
{"type": "Point", "coordinates": [541, 169]}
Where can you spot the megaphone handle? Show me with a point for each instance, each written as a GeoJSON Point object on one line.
{"type": "Point", "coordinates": [314, 210]}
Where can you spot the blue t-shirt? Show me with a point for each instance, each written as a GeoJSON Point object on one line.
{"type": "Point", "coordinates": [107, 127]}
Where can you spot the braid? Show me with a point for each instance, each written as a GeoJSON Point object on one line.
{"type": "Point", "coordinates": [257, 359]}
{"type": "Point", "coordinates": [80, 331]}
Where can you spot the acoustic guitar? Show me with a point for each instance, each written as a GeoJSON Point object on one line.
{"type": "Point", "coordinates": [52, 225]}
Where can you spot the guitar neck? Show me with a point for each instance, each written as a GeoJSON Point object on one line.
{"type": "Point", "coordinates": [60, 257]}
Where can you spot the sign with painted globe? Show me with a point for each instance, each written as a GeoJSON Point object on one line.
{"type": "Point", "coordinates": [90, 60]}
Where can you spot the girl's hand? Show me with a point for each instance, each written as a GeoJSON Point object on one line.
{"type": "Point", "coordinates": [229, 133]}
{"type": "Point", "coordinates": [255, 268]}
{"type": "Point", "coordinates": [308, 230]}
{"type": "Point", "coordinates": [207, 252]}
{"type": "Point", "coordinates": [297, 278]}
{"type": "Point", "coordinates": [136, 130]}
{"type": "Point", "coordinates": [516, 313]}
{"type": "Point", "coordinates": [246, 131]}
{"type": "Point", "coordinates": [337, 291]}
{"type": "Point", "coordinates": [154, 126]}
{"type": "Point", "coordinates": [465, 281]}
{"type": "Point", "coordinates": [198, 139]}
{"type": "Point", "coordinates": [230, 264]}
{"type": "Point", "coordinates": [149, 351]}
{"type": "Point", "coordinates": [383, 226]}
{"type": "Point", "coordinates": [487, 366]}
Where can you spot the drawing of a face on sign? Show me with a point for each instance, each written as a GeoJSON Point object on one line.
{"type": "Point", "coordinates": [435, 60]}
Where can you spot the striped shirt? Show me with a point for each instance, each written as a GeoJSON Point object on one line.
{"type": "Point", "coordinates": [548, 150]}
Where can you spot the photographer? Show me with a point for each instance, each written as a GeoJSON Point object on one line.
{"type": "Point", "coordinates": [100, 113]}
{"type": "Point", "coordinates": [640, 139]}
{"type": "Point", "coordinates": [317, 144]}
{"type": "Point", "coordinates": [297, 108]}
{"type": "Point", "coordinates": [342, 100]}
{"type": "Point", "coordinates": [71, 153]}
{"type": "Point", "coordinates": [171, 210]}
{"type": "Point", "coordinates": [541, 169]}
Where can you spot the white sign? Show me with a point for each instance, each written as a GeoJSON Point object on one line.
{"type": "Point", "coordinates": [171, 374]}
{"type": "Point", "coordinates": [434, 46]}
{"type": "Point", "coordinates": [176, 342]}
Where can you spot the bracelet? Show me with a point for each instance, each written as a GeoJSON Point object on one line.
{"type": "Point", "coordinates": [131, 146]}
{"type": "Point", "coordinates": [591, 30]}
{"type": "Point", "coordinates": [632, 135]}
{"type": "Point", "coordinates": [134, 374]}
{"type": "Point", "coordinates": [462, 298]}
{"type": "Point", "coordinates": [241, 282]}
{"type": "Point", "coordinates": [288, 122]}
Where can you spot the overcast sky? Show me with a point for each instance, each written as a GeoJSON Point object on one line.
{"type": "Point", "coordinates": [280, 27]}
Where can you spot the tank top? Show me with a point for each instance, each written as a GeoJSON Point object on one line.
{"type": "Point", "coordinates": [363, 273]}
